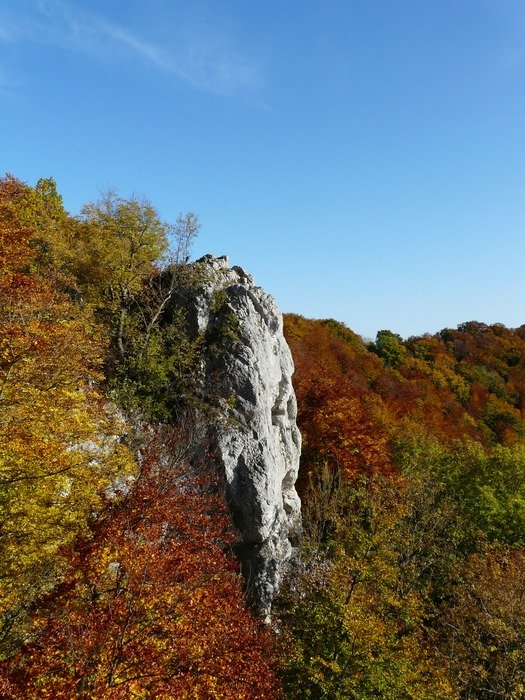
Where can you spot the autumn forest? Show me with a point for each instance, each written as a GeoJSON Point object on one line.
{"type": "Point", "coordinates": [118, 573]}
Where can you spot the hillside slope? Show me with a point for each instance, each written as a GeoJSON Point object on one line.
{"type": "Point", "coordinates": [413, 487]}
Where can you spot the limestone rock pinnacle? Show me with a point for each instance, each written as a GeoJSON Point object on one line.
{"type": "Point", "coordinates": [257, 446]}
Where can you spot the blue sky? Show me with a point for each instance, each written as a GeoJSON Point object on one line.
{"type": "Point", "coordinates": [363, 159]}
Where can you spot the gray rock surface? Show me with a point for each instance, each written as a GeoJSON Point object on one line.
{"type": "Point", "coordinates": [255, 439]}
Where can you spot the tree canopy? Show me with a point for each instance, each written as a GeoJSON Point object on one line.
{"type": "Point", "coordinates": [117, 573]}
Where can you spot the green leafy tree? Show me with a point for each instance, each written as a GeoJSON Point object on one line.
{"type": "Point", "coordinates": [390, 347]}
{"type": "Point", "coordinates": [123, 240]}
{"type": "Point", "coordinates": [490, 488]}
{"type": "Point", "coordinates": [486, 486]}
{"type": "Point", "coordinates": [132, 267]}
{"type": "Point", "coordinates": [354, 613]}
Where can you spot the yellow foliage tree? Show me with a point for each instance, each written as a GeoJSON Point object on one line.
{"type": "Point", "coordinates": [59, 441]}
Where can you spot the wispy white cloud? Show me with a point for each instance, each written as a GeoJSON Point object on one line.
{"type": "Point", "coordinates": [205, 62]}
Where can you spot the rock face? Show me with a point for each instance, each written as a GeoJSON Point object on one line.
{"type": "Point", "coordinates": [255, 439]}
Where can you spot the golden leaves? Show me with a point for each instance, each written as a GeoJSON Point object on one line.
{"type": "Point", "coordinates": [58, 439]}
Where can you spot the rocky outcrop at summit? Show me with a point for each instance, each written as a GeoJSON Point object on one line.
{"type": "Point", "coordinates": [255, 439]}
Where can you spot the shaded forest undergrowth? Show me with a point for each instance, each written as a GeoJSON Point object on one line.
{"type": "Point", "coordinates": [117, 574]}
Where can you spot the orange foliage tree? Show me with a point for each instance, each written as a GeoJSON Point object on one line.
{"type": "Point", "coordinates": [151, 605]}
{"type": "Point", "coordinates": [342, 423]}
{"type": "Point", "coordinates": [458, 384]}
